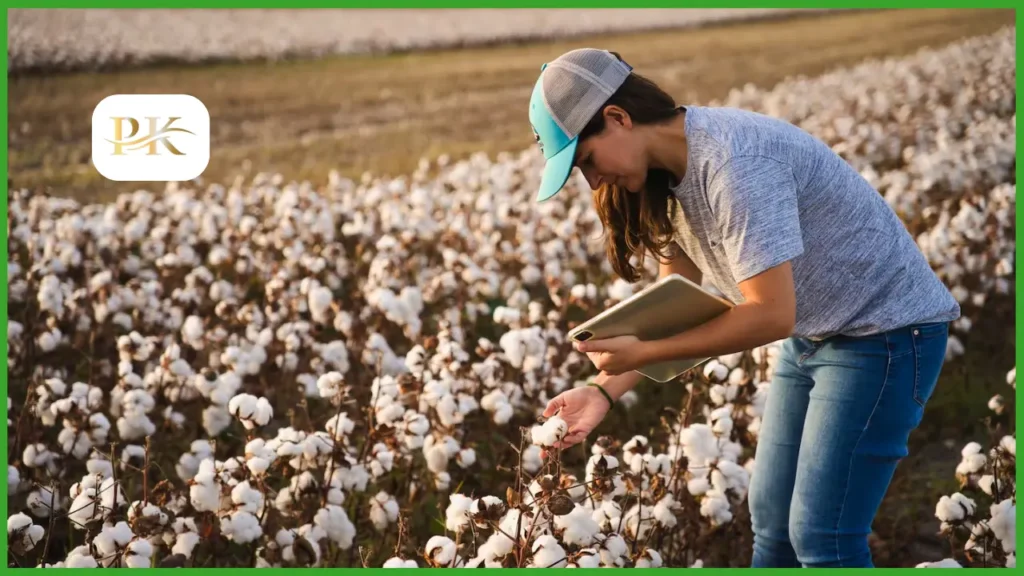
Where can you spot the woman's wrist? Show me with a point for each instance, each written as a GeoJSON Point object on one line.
{"type": "Point", "coordinates": [604, 393]}
{"type": "Point", "coordinates": [617, 386]}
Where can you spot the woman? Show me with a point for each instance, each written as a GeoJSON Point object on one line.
{"type": "Point", "coordinates": [808, 250]}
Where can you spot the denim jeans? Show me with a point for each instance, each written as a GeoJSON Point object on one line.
{"type": "Point", "coordinates": [836, 422]}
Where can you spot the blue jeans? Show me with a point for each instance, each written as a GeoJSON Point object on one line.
{"type": "Point", "coordinates": [835, 424]}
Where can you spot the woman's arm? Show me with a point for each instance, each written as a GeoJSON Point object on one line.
{"type": "Point", "coordinates": [767, 314]}
{"type": "Point", "coordinates": [679, 263]}
{"type": "Point", "coordinates": [755, 203]}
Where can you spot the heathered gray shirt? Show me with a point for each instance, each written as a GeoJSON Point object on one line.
{"type": "Point", "coordinates": [759, 191]}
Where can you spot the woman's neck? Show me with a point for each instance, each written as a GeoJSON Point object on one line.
{"type": "Point", "coordinates": [668, 147]}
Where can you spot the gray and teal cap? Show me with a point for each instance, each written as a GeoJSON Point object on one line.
{"type": "Point", "coordinates": [570, 90]}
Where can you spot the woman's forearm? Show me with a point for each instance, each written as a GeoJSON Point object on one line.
{"type": "Point", "coordinates": [743, 327]}
{"type": "Point", "coordinates": [617, 386]}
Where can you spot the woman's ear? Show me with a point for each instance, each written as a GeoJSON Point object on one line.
{"type": "Point", "coordinates": [616, 115]}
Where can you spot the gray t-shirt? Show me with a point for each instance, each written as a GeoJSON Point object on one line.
{"type": "Point", "coordinates": [759, 191]}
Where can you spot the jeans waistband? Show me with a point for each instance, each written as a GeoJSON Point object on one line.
{"type": "Point", "coordinates": [909, 327]}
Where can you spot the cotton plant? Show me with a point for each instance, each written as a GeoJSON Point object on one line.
{"type": "Point", "coordinates": [981, 517]}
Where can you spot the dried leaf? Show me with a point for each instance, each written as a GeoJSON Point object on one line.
{"type": "Point", "coordinates": [512, 497]}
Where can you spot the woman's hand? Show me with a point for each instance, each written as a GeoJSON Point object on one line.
{"type": "Point", "coordinates": [584, 408]}
{"type": "Point", "coordinates": [616, 355]}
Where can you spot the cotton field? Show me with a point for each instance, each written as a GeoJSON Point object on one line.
{"type": "Point", "coordinates": [59, 39]}
{"type": "Point", "coordinates": [264, 373]}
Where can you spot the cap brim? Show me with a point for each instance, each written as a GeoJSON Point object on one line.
{"type": "Point", "coordinates": [556, 171]}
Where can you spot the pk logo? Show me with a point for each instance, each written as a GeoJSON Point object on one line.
{"type": "Point", "coordinates": [150, 137]}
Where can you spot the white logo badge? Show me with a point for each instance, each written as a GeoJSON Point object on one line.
{"type": "Point", "coordinates": [150, 137]}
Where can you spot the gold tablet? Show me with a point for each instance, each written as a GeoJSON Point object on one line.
{"type": "Point", "coordinates": [667, 307]}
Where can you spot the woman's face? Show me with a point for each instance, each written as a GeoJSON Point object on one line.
{"type": "Point", "coordinates": [615, 155]}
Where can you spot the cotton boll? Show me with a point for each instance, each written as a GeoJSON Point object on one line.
{"type": "Point", "coordinates": [946, 563]}
{"type": "Point", "coordinates": [607, 514]}
{"type": "Point", "coordinates": [440, 551]}
{"type": "Point", "coordinates": [1009, 444]}
{"type": "Point", "coordinates": [185, 543]}
{"type": "Point", "coordinates": [497, 546]}
{"type": "Point", "coordinates": [737, 376]}
{"type": "Point", "coordinates": [639, 522]}
{"type": "Point", "coordinates": [731, 360]}
{"type": "Point", "coordinates": [532, 460]}
{"type": "Point", "coordinates": [436, 456]}
{"type": "Point", "coordinates": [457, 515]}
{"type": "Point", "coordinates": [954, 509]}
{"type": "Point", "coordinates": [139, 554]}
{"type": "Point", "coordinates": [204, 493]}
{"type": "Point", "coordinates": [319, 302]}
{"type": "Point", "coordinates": [83, 560]}
{"type": "Point", "coordinates": [612, 549]}
{"type": "Point", "coordinates": [996, 404]}
{"type": "Point", "coordinates": [649, 559]}
{"type": "Point", "coordinates": [111, 540]}
{"type": "Point", "coordinates": [247, 499]}
{"type": "Point", "coordinates": [396, 562]}
{"type": "Point", "coordinates": [721, 420]}
{"type": "Point", "coordinates": [22, 534]}
{"type": "Point", "coordinates": [111, 496]}
{"type": "Point", "coordinates": [586, 558]}
{"type": "Point", "coordinates": [13, 479]}
{"type": "Point", "coordinates": [973, 460]}
{"type": "Point", "coordinates": [578, 526]}
{"type": "Point", "coordinates": [699, 445]}
{"type": "Point", "coordinates": [335, 522]}
{"type": "Point", "coordinates": [250, 410]}
{"type": "Point", "coordinates": [547, 553]}
{"type": "Point", "coordinates": [466, 458]}
{"type": "Point", "coordinates": [383, 511]}
{"type": "Point", "coordinates": [715, 507]}
{"type": "Point", "coordinates": [985, 483]}
{"type": "Point", "coordinates": [241, 527]}
{"type": "Point", "coordinates": [717, 394]}
{"type": "Point", "coordinates": [954, 347]}
{"type": "Point", "coordinates": [665, 511]}
{"type": "Point", "coordinates": [388, 410]}
{"type": "Point", "coordinates": [1004, 524]}
{"type": "Point", "coordinates": [716, 371]}
{"type": "Point", "coordinates": [448, 411]}
{"type": "Point", "coordinates": [42, 502]}
{"type": "Point", "coordinates": [549, 433]}
{"type": "Point", "coordinates": [330, 384]}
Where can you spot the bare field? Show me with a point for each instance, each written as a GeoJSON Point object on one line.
{"type": "Point", "coordinates": [382, 114]}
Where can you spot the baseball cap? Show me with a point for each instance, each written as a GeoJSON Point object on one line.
{"type": "Point", "coordinates": [571, 89]}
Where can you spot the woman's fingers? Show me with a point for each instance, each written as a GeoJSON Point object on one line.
{"type": "Point", "coordinates": [553, 405]}
{"type": "Point", "coordinates": [572, 438]}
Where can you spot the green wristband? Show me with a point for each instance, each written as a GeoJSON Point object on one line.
{"type": "Point", "coordinates": [611, 403]}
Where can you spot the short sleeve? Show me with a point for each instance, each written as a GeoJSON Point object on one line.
{"type": "Point", "coordinates": [754, 201]}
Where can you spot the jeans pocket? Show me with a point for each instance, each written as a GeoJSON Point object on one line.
{"type": "Point", "coordinates": [812, 347]}
{"type": "Point", "coordinates": [929, 344]}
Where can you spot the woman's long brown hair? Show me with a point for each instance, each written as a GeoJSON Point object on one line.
{"type": "Point", "coordinates": [636, 223]}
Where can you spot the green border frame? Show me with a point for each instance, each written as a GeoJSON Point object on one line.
{"type": "Point", "coordinates": [917, 4]}
{"type": "Point", "coordinates": [397, 4]}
